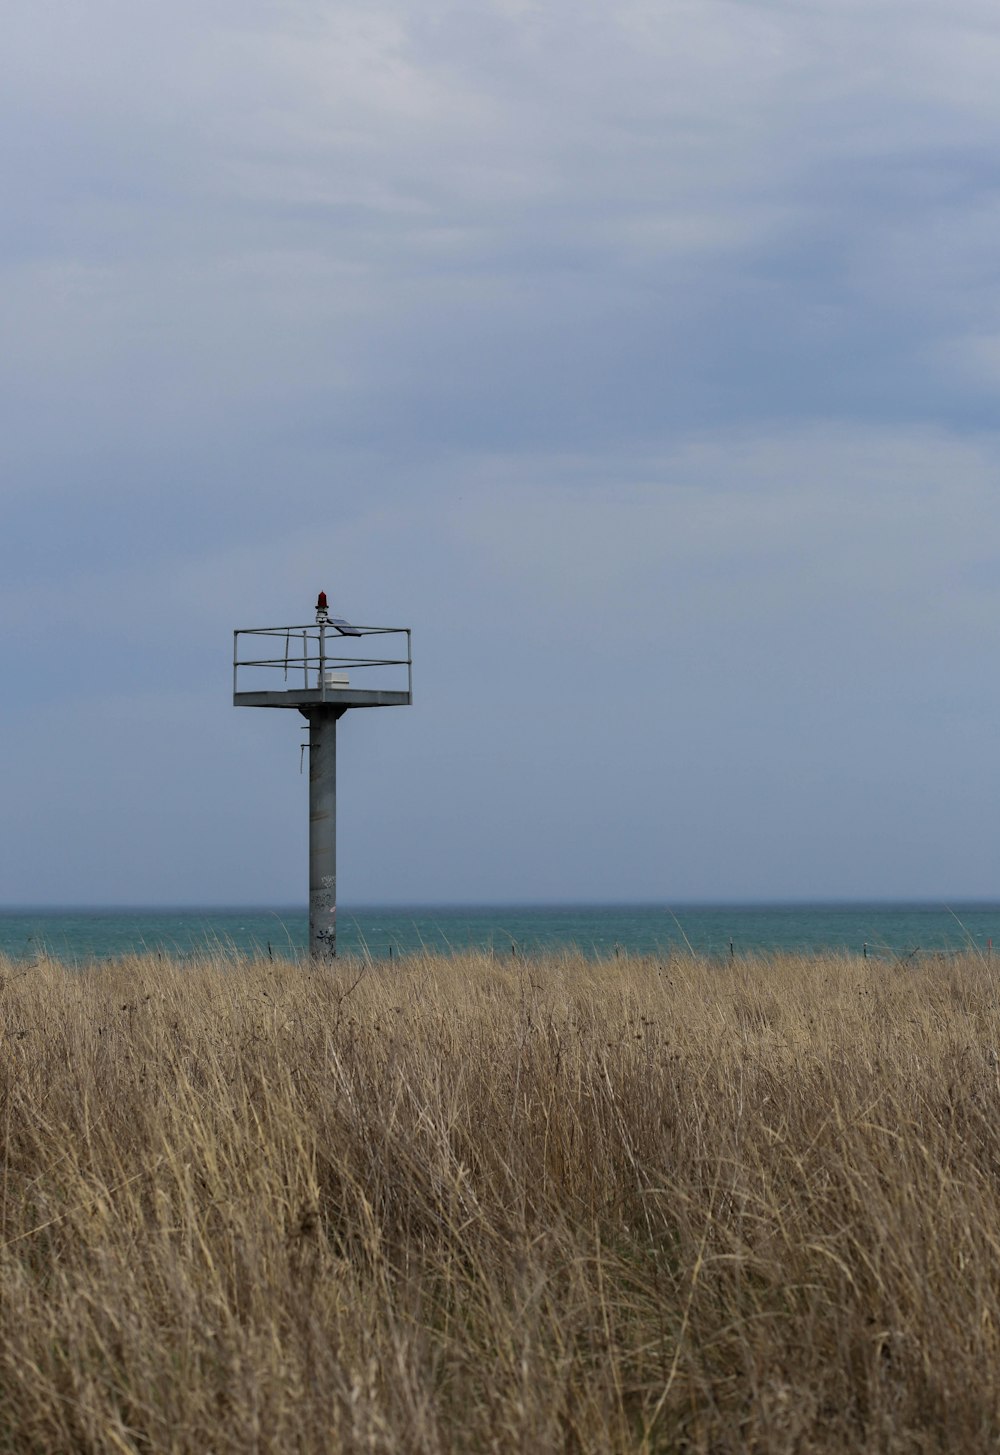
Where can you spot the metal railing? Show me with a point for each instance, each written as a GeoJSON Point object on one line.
{"type": "Point", "coordinates": [310, 656]}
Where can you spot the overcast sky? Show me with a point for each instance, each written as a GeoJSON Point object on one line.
{"type": "Point", "coordinates": [642, 355]}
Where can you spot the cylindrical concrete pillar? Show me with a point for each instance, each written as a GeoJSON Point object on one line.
{"type": "Point", "coordinates": [323, 832]}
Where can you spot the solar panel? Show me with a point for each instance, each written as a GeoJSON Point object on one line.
{"type": "Point", "coordinates": [344, 627]}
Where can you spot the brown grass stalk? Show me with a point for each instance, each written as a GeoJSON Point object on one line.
{"type": "Point", "coordinates": [459, 1205]}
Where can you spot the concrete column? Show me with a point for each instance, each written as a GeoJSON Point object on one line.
{"type": "Point", "coordinates": [323, 832]}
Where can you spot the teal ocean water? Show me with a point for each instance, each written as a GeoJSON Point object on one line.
{"type": "Point", "coordinates": [887, 931]}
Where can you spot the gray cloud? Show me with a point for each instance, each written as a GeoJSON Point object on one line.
{"type": "Point", "coordinates": [643, 357]}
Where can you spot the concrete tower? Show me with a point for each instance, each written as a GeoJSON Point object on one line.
{"type": "Point", "coordinates": [319, 667]}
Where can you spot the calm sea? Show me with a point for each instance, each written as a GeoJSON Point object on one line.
{"type": "Point", "coordinates": [889, 931]}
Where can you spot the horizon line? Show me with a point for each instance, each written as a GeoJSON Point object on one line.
{"type": "Point", "coordinates": [943, 902]}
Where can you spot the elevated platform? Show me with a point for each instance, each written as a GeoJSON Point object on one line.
{"type": "Point", "coordinates": [319, 665]}
{"type": "Point", "coordinates": [305, 698]}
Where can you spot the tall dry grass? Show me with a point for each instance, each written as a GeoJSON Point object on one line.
{"type": "Point", "coordinates": [458, 1205]}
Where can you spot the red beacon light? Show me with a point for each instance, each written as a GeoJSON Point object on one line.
{"type": "Point", "coordinates": [322, 614]}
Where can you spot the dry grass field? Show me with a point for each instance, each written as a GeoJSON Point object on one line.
{"type": "Point", "coordinates": [467, 1205]}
